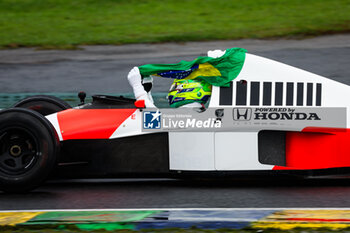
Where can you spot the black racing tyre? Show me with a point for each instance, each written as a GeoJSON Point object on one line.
{"type": "Point", "coordinates": [28, 149]}
{"type": "Point", "coordinates": [43, 104]}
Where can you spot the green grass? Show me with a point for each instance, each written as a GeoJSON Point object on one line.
{"type": "Point", "coordinates": [66, 23]}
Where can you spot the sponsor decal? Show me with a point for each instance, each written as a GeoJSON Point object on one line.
{"type": "Point", "coordinates": [180, 119]}
{"type": "Point", "coordinates": [243, 119]}
{"type": "Point", "coordinates": [219, 113]}
{"type": "Point", "coordinates": [152, 119]}
{"type": "Point", "coordinates": [242, 114]}
{"type": "Point", "coordinates": [191, 123]}
{"type": "Point", "coordinates": [284, 114]}
{"type": "Point", "coordinates": [273, 114]}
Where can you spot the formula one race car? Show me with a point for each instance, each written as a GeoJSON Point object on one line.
{"type": "Point", "coordinates": [272, 118]}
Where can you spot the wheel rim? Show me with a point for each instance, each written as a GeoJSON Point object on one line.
{"type": "Point", "coordinates": [19, 151]}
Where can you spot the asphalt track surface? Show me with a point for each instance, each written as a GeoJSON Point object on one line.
{"type": "Point", "coordinates": [102, 69]}
{"type": "Point", "coordinates": [163, 193]}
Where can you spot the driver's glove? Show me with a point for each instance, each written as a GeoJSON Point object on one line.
{"type": "Point", "coordinates": [134, 78]}
{"type": "Point", "coordinates": [148, 101]}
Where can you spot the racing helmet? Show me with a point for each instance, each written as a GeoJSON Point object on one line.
{"type": "Point", "coordinates": [186, 91]}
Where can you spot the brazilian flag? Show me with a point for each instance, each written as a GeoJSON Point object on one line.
{"type": "Point", "coordinates": [215, 71]}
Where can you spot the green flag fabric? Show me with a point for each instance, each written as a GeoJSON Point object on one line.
{"type": "Point", "coordinates": [215, 71]}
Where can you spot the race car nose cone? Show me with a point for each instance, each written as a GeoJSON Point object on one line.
{"type": "Point", "coordinates": [15, 150]}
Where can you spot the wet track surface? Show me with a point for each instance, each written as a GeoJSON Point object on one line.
{"type": "Point", "coordinates": [159, 193]}
{"type": "Point", "coordinates": [103, 69]}
{"type": "Point", "coordinates": [21, 71]}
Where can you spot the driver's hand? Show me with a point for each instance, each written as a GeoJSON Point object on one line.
{"type": "Point", "coordinates": [134, 78]}
{"type": "Point", "coordinates": [134, 75]}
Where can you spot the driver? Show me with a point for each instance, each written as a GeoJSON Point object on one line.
{"type": "Point", "coordinates": [184, 92]}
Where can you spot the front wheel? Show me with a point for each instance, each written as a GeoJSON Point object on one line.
{"type": "Point", "coordinates": [28, 149]}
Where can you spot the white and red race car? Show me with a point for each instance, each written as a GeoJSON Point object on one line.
{"type": "Point", "coordinates": [273, 118]}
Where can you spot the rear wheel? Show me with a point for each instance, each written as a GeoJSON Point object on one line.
{"type": "Point", "coordinates": [43, 104]}
{"type": "Point", "coordinates": [28, 149]}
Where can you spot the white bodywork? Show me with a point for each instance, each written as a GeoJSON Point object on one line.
{"type": "Point", "coordinates": [239, 150]}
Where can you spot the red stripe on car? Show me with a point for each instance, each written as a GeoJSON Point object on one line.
{"type": "Point", "coordinates": [91, 123]}
{"type": "Point", "coordinates": [317, 148]}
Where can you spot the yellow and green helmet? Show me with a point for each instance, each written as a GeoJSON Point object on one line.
{"type": "Point", "coordinates": [186, 91]}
